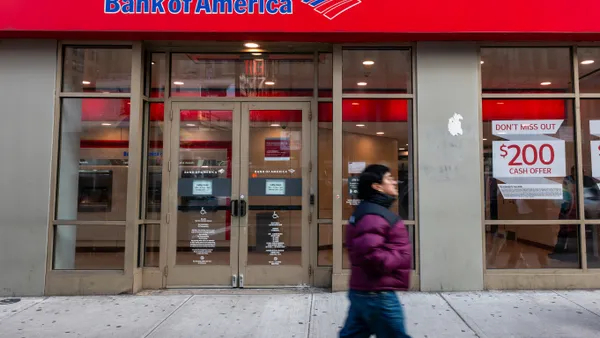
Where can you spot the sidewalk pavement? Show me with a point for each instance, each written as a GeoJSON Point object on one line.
{"type": "Point", "coordinates": [297, 314]}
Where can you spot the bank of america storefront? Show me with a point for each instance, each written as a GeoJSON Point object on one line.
{"type": "Point", "coordinates": [193, 144]}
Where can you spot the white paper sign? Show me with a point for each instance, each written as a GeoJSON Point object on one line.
{"type": "Point", "coordinates": [531, 191]}
{"type": "Point", "coordinates": [526, 127]}
{"type": "Point", "coordinates": [356, 167]}
{"type": "Point", "coordinates": [275, 187]}
{"type": "Point", "coordinates": [202, 187]}
{"type": "Point", "coordinates": [514, 159]}
{"type": "Point", "coordinates": [595, 127]}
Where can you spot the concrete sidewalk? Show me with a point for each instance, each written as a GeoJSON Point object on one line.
{"type": "Point", "coordinates": [298, 314]}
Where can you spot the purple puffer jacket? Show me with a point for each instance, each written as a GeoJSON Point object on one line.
{"type": "Point", "coordinates": [380, 250]}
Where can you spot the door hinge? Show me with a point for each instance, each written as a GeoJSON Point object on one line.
{"type": "Point", "coordinates": [310, 217]}
{"type": "Point", "coordinates": [171, 115]}
{"type": "Point", "coordinates": [166, 271]}
{"type": "Point", "coordinates": [310, 115]}
{"type": "Point", "coordinates": [310, 166]}
{"type": "Point", "coordinates": [311, 271]}
{"type": "Point", "coordinates": [168, 217]}
{"type": "Point", "coordinates": [169, 166]}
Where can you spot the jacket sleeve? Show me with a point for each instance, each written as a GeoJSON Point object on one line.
{"type": "Point", "coordinates": [377, 254]}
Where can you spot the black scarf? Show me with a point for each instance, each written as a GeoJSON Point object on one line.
{"type": "Point", "coordinates": [382, 199]}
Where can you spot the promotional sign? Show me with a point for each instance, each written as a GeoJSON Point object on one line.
{"type": "Point", "coordinates": [277, 149]}
{"type": "Point", "coordinates": [356, 167]}
{"type": "Point", "coordinates": [513, 159]}
{"type": "Point", "coordinates": [528, 158]}
{"type": "Point", "coordinates": [301, 16]}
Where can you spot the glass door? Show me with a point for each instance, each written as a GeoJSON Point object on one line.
{"type": "Point", "coordinates": [238, 195]}
{"type": "Point", "coordinates": [274, 189]}
{"type": "Point", "coordinates": [203, 229]}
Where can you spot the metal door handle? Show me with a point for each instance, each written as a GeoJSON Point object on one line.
{"type": "Point", "coordinates": [243, 208]}
{"type": "Point", "coordinates": [234, 208]}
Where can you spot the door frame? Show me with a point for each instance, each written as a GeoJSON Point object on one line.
{"type": "Point", "coordinates": [236, 274]}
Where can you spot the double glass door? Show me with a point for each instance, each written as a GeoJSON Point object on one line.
{"type": "Point", "coordinates": [238, 194]}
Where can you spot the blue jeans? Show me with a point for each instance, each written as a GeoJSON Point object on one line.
{"type": "Point", "coordinates": [379, 313]}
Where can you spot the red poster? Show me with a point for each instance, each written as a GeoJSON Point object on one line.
{"type": "Point", "coordinates": [277, 149]}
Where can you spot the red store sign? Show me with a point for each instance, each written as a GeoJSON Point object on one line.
{"type": "Point", "coordinates": [177, 17]}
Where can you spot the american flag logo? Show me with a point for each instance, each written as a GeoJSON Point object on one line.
{"type": "Point", "coordinates": [331, 8]}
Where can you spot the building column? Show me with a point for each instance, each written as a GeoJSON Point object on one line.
{"type": "Point", "coordinates": [449, 167]}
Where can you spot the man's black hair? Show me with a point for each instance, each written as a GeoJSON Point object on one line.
{"type": "Point", "coordinates": [372, 174]}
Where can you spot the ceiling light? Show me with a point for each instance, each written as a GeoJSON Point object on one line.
{"type": "Point", "coordinates": [355, 103]}
{"type": "Point", "coordinates": [275, 125]}
{"type": "Point", "coordinates": [153, 62]}
{"type": "Point", "coordinates": [368, 63]}
{"type": "Point", "coordinates": [546, 83]}
{"type": "Point", "coordinates": [362, 84]}
{"type": "Point", "coordinates": [86, 82]}
{"type": "Point", "coordinates": [190, 125]}
{"type": "Point", "coordinates": [380, 133]}
{"type": "Point", "coordinates": [482, 62]}
{"type": "Point", "coordinates": [251, 45]}
{"type": "Point", "coordinates": [485, 139]}
{"type": "Point", "coordinates": [107, 124]}
{"type": "Point", "coordinates": [256, 54]}
{"type": "Point", "coordinates": [587, 62]}
{"type": "Point", "coordinates": [178, 83]}
{"type": "Point", "coordinates": [401, 148]}
{"type": "Point", "coordinates": [360, 125]}
{"type": "Point", "coordinates": [270, 83]}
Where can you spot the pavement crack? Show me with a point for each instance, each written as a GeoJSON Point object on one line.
{"type": "Point", "coordinates": [310, 314]}
{"type": "Point", "coordinates": [478, 333]}
{"type": "Point", "coordinates": [572, 301]}
{"type": "Point", "coordinates": [24, 309]}
{"type": "Point", "coordinates": [167, 317]}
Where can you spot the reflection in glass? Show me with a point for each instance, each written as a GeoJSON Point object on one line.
{"type": "Point", "coordinates": [154, 160]}
{"type": "Point", "coordinates": [376, 71]}
{"type": "Point", "coordinates": [590, 129]}
{"type": "Point", "coordinates": [325, 158]}
{"type": "Point", "coordinates": [204, 188]}
{"type": "Point", "coordinates": [526, 70]}
{"type": "Point", "coordinates": [93, 158]}
{"type": "Point", "coordinates": [325, 74]}
{"type": "Point", "coordinates": [377, 131]}
{"type": "Point", "coordinates": [157, 75]}
{"type": "Point", "coordinates": [95, 247]}
{"type": "Point", "coordinates": [592, 236]}
{"type": "Point", "coordinates": [532, 246]}
{"type": "Point", "coordinates": [97, 70]}
{"type": "Point", "coordinates": [325, 250]}
{"type": "Point", "coordinates": [151, 245]}
{"type": "Point", "coordinates": [533, 142]}
{"type": "Point", "coordinates": [275, 188]}
{"type": "Point", "coordinates": [589, 69]}
{"type": "Point", "coordinates": [246, 75]}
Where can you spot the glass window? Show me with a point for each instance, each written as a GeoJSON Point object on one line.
{"type": "Point", "coordinates": [589, 70]}
{"type": "Point", "coordinates": [532, 246]}
{"type": "Point", "coordinates": [590, 128]}
{"type": "Point", "coordinates": [529, 159]}
{"type": "Point", "coordinates": [151, 245]}
{"type": "Point", "coordinates": [325, 158]}
{"type": "Point", "coordinates": [526, 70]}
{"type": "Point", "coordinates": [592, 235]}
{"type": "Point", "coordinates": [97, 70]}
{"type": "Point", "coordinates": [377, 131]}
{"type": "Point", "coordinates": [89, 247]}
{"type": "Point", "coordinates": [325, 75]}
{"type": "Point", "coordinates": [325, 255]}
{"type": "Point", "coordinates": [157, 75]}
{"type": "Point", "coordinates": [154, 140]}
{"type": "Point", "coordinates": [93, 159]}
{"type": "Point", "coordinates": [246, 75]}
{"type": "Point", "coordinates": [377, 71]}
